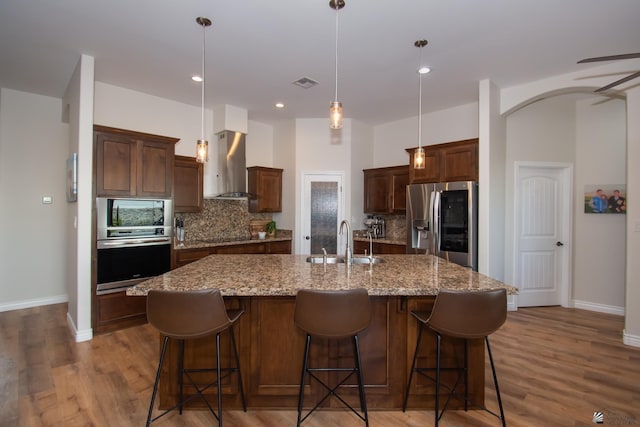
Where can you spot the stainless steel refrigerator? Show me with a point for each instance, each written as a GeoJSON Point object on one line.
{"type": "Point", "coordinates": [442, 219]}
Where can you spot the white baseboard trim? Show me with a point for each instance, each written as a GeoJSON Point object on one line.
{"type": "Point", "coordinates": [512, 303]}
{"type": "Point", "coordinates": [79, 336]}
{"type": "Point", "coordinates": [632, 340]}
{"type": "Point", "coordinates": [601, 308]}
{"type": "Point", "coordinates": [18, 305]}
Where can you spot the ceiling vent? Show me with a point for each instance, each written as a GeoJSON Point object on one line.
{"type": "Point", "coordinates": [305, 82]}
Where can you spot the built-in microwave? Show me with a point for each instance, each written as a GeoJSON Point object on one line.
{"type": "Point", "coordinates": [133, 218]}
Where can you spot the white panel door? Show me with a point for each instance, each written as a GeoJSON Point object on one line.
{"type": "Point", "coordinates": [542, 234]}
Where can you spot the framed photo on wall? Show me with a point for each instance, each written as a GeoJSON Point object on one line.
{"type": "Point", "coordinates": [605, 198]}
{"type": "Point", "coordinates": [72, 178]}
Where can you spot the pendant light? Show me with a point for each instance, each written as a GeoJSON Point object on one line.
{"type": "Point", "coordinates": [418, 155]}
{"type": "Point", "coordinates": [335, 109]}
{"type": "Point", "coordinates": [202, 148]}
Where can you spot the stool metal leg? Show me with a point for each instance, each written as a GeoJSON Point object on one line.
{"type": "Point", "coordinates": [155, 384]}
{"type": "Point", "coordinates": [466, 376]}
{"type": "Point", "coordinates": [413, 366]}
{"type": "Point", "coordinates": [363, 401]}
{"type": "Point", "coordinates": [235, 352]}
{"type": "Point", "coordinates": [218, 372]}
{"type": "Point", "coordinates": [181, 376]}
{"type": "Point", "coordinates": [495, 382]}
{"type": "Point", "coordinates": [302, 378]}
{"type": "Point", "coordinates": [437, 409]}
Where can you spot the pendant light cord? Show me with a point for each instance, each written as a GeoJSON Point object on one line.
{"type": "Point", "coordinates": [337, 8]}
{"type": "Point", "coordinates": [420, 101]}
{"type": "Point", "coordinates": [204, 29]}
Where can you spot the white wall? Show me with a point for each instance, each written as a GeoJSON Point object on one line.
{"type": "Point", "coordinates": [592, 137]}
{"type": "Point", "coordinates": [599, 240]}
{"type": "Point", "coordinates": [491, 191]}
{"type": "Point", "coordinates": [391, 139]}
{"type": "Point", "coordinates": [361, 158]}
{"type": "Point", "coordinates": [78, 102]}
{"type": "Point", "coordinates": [284, 157]}
{"type": "Point", "coordinates": [33, 153]}
{"type": "Point", "coordinates": [319, 149]}
{"type": "Point", "coordinates": [632, 297]}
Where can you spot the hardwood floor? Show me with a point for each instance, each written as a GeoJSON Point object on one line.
{"type": "Point", "coordinates": [556, 367]}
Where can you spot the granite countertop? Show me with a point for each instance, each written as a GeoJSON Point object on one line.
{"type": "Point", "coordinates": [283, 275]}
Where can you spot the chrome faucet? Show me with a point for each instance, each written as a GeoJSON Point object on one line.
{"type": "Point", "coordinates": [370, 234]}
{"type": "Point", "coordinates": [347, 250]}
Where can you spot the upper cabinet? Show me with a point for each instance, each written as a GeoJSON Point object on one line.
{"type": "Point", "coordinates": [129, 163]}
{"type": "Point", "coordinates": [266, 185]}
{"type": "Point", "coordinates": [453, 161]}
{"type": "Point", "coordinates": [188, 176]}
{"type": "Point", "coordinates": [385, 189]}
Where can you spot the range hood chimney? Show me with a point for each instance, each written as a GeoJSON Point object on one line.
{"type": "Point", "coordinates": [232, 168]}
{"type": "Point", "coordinates": [230, 125]}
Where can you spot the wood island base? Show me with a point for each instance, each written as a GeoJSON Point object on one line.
{"type": "Point", "coordinates": [271, 350]}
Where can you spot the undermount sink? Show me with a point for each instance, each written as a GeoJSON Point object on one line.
{"type": "Point", "coordinates": [366, 260]}
{"type": "Point", "coordinates": [319, 259]}
{"type": "Point", "coordinates": [333, 259]}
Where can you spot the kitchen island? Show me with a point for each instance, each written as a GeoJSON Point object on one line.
{"type": "Point", "coordinates": [271, 347]}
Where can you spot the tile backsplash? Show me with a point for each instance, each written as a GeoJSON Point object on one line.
{"type": "Point", "coordinates": [225, 220]}
{"type": "Point", "coordinates": [221, 220]}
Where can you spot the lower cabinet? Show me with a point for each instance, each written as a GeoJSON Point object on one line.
{"type": "Point", "coordinates": [117, 311]}
{"type": "Point", "coordinates": [359, 248]}
{"type": "Point", "coordinates": [271, 350]}
{"type": "Point", "coordinates": [185, 256]}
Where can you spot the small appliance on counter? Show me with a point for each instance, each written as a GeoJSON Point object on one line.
{"type": "Point", "coordinates": [376, 226]}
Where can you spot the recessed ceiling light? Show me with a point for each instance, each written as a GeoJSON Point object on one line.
{"type": "Point", "coordinates": [424, 70]}
{"type": "Point", "coordinates": [196, 79]}
{"type": "Point", "coordinates": [279, 105]}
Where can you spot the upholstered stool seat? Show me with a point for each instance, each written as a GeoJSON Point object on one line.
{"type": "Point", "coordinates": [184, 315]}
{"type": "Point", "coordinates": [465, 315]}
{"type": "Point", "coordinates": [332, 315]}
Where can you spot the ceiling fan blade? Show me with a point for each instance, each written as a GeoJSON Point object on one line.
{"type": "Point", "coordinates": [617, 82]}
{"type": "Point", "coordinates": [611, 58]}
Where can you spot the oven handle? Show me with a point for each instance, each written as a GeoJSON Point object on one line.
{"type": "Point", "coordinates": [108, 244]}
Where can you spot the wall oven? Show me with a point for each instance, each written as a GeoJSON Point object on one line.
{"type": "Point", "coordinates": [133, 241]}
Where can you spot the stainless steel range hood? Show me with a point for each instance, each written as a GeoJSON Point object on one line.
{"type": "Point", "coordinates": [232, 169]}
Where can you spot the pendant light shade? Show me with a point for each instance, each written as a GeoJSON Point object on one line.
{"type": "Point", "coordinates": [418, 154]}
{"type": "Point", "coordinates": [202, 147]}
{"type": "Point", "coordinates": [335, 108]}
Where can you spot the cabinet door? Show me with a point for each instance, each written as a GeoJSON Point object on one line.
{"type": "Point", "coordinates": [399, 182]}
{"type": "Point", "coordinates": [247, 248]}
{"type": "Point", "coordinates": [116, 158]}
{"type": "Point", "coordinates": [431, 171]}
{"type": "Point", "coordinates": [186, 256]}
{"type": "Point", "coordinates": [383, 366]}
{"type": "Point", "coordinates": [460, 163]}
{"type": "Point", "coordinates": [187, 184]}
{"type": "Point", "coordinates": [266, 184]}
{"type": "Point", "coordinates": [155, 169]}
{"type": "Point", "coordinates": [132, 163]}
{"type": "Point", "coordinates": [377, 196]}
{"type": "Point", "coordinates": [279, 247]}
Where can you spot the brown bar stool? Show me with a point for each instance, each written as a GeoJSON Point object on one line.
{"type": "Point", "coordinates": [333, 315]}
{"type": "Point", "coordinates": [183, 315]}
{"type": "Point", "coordinates": [466, 315]}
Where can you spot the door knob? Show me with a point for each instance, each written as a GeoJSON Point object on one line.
{"type": "Point", "coordinates": [307, 237]}
{"type": "Point", "coordinates": [559, 244]}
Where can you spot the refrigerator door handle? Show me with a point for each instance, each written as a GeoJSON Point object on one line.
{"type": "Point", "coordinates": [436, 224]}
